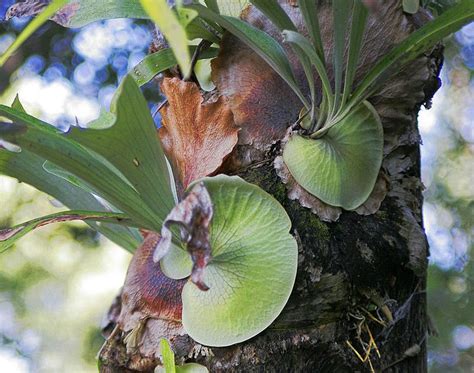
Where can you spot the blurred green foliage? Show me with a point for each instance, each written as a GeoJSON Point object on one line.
{"type": "Point", "coordinates": [448, 174]}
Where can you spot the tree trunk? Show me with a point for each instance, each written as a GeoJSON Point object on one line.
{"type": "Point", "coordinates": [361, 280]}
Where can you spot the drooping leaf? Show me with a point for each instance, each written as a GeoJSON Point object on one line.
{"type": "Point", "coordinates": [301, 42]}
{"type": "Point", "coordinates": [273, 10]}
{"type": "Point", "coordinates": [173, 31]}
{"type": "Point", "coordinates": [79, 13]}
{"type": "Point", "coordinates": [282, 21]}
{"type": "Point", "coordinates": [49, 11]}
{"type": "Point", "coordinates": [410, 48]}
{"type": "Point", "coordinates": [50, 144]}
{"type": "Point", "coordinates": [253, 266]}
{"type": "Point", "coordinates": [51, 168]}
{"type": "Point", "coordinates": [118, 234]}
{"type": "Point", "coordinates": [10, 235]}
{"type": "Point", "coordinates": [341, 167]}
{"type": "Point", "coordinates": [264, 45]}
{"type": "Point", "coordinates": [29, 168]}
{"type": "Point", "coordinates": [130, 143]}
{"type": "Point", "coordinates": [309, 12]}
{"type": "Point", "coordinates": [196, 136]}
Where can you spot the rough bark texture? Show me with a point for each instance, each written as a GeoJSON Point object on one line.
{"type": "Point", "coordinates": [347, 269]}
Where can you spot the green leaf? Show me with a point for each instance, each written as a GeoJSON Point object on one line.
{"type": "Point", "coordinates": [173, 31]}
{"type": "Point", "coordinates": [185, 16]}
{"type": "Point", "coordinates": [341, 167]}
{"type": "Point", "coordinates": [341, 12]}
{"type": "Point", "coordinates": [10, 235]}
{"type": "Point", "coordinates": [213, 5]}
{"type": "Point", "coordinates": [27, 168]}
{"type": "Point", "coordinates": [51, 168]}
{"type": "Point", "coordinates": [50, 144]}
{"type": "Point", "coordinates": [308, 10]}
{"type": "Point", "coordinates": [17, 105]}
{"type": "Point", "coordinates": [127, 237]}
{"type": "Point", "coordinates": [301, 42]}
{"type": "Point", "coordinates": [83, 12]}
{"type": "Point", "coordinates": [169, 365]}
{"type": "Point", "coordinates": [411, 6]}
{"type": "Point", "coordinates": [359, 20]}
{"type": "Point", "coordinates": [252, 270]}
{"type": "Point", "coordinates": [167, 355]}
{"type": "Point", "coordinates": [157, 62]}
{"type": "Point", "coordinates": [130, 143]}
{"type": "Point", "coordinates": [200, 30]}
{"type": "Point", "coordinates": [409, 49]}
{"type": "Point", "coordinates": [263, 44]}
{"type": "Point", "coordinates": [276, 14]}
{"type": "Point", "coordinates": [36, 23]}
{"type": "Point", "coordinates": [203, 71]}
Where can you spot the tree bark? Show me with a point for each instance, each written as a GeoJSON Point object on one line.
{"type": "Point", "coordinates": [357, 277]}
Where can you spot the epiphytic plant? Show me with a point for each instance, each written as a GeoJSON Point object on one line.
{"type": "Point", "coordinates": [214, 230]}
{"type": "Point", "coordinates": [119, 158]}
{"type": "Point", "coordinates": [338, 153]}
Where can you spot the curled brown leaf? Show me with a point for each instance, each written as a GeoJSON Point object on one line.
{"type": "Point", "coordinates": [193, 215]}
{"type": "Point", "coordinates": [196, 135]}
